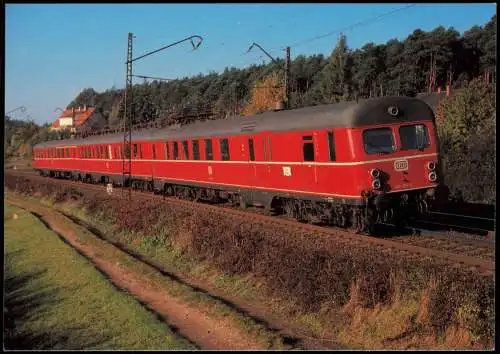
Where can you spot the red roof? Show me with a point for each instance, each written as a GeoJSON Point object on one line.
{"type": "Point", "coordinates": [79, 118]}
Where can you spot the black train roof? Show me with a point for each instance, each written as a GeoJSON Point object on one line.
{"type": "Point", "coordinates": [344, 114]}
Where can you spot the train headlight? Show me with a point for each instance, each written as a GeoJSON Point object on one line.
{"type": "Point", "coordinates": [376, 184]}
{"type": "Point", "coordinates": [432, 176]}
{"type": "Point", "coordinates": [375, 173]}
{"type": "Point", "coordinates": [431, 165]}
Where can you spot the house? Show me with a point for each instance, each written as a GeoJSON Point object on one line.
{"type": "Point", "coordinates": [79, 118]}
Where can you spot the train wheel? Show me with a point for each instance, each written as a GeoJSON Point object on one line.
{"type": "Point", "coordinates": [169, 191]}
{"type": "Point", "coordinates": [290, 209]}
{"type": "Point", "coordinates": [242, 202]}
{"type": "Point", "coordinates": [358, 221]}
{"type": "Point", "coordinates": [192, 195]}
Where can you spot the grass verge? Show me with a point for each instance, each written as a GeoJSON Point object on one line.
{"type": "Point", "coordinates": [57, 300]}
{"type": "Point", "coordinates": [201, 301]}
{"type": "Point", "coordinates": [344, 295]}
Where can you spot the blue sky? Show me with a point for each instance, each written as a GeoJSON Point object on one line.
{"type": "Point", "coordinates": [55, 50]}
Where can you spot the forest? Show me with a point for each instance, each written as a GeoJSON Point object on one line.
{"type": "Point", "coordinates": [421, 63]}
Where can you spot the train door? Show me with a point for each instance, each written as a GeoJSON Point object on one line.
{"type": "Point", "coordinates": [252, 166]}
{"type": "Point", "coordinates": [310, 154]}
{"type": "Point", "coordinates": [265, 171]}
{"type": "Point", "coordinates": [153, 163]}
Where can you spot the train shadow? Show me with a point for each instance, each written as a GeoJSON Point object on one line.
{"type": "Point", "coordinates": [24, 303]}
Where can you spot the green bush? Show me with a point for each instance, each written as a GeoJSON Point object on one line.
{"type": "Point", "coordinates": [467, 136]}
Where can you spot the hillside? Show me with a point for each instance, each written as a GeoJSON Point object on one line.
{"type": "Point", "coordinates": [396, 67]}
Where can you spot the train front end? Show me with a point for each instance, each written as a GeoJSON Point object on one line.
{"type": "Point", "coordinates": [401, 170]}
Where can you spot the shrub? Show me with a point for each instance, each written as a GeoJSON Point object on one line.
{"type": "Point", "coordinates": [467, 136]}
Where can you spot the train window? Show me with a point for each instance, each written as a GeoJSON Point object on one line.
{"type": "Point", "coordinates": [378, 141]}
{"type": "Point", "coordinates": [251, 150]}
{"type": "Point", "coordinates": [331, 146]}
{"type": "Point", "coordinates": [224, 149]}
{"type": "Point", "coordinates": [414, 137]}
{"type": "Point", "coordinates": [153, 149]}
{"type": "Point", "coordinates": [140, 151]}
{"type": "Point", "coordinates": [135, 151]}
{"type": "Point", "coordinates": [89, 152]}
{"type": "Point", "coordinates": [67, 152]}
{"type": "Point", "coordinates": [208, 150]}
{"type": "Point", "coordinates": [196, 150]}
{"type": "Point", "coordinates": [106, 152]}
{"type": "Point", "coordinates": [167, 151]}
{"type": "Point", "coordinates": [308, 148]}
{"type": "Point", "coordinates": [176, 151]}
{"type": "Point", "coordinates": [185, 149]}
{"type": "Point", "coordinates": [102, 152]}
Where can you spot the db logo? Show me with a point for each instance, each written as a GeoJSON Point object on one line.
{"type": "Point", "coordinates": [401, 165]}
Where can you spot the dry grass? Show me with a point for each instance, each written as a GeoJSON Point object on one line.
{"type": "Point", "coordinates": [385, 301]}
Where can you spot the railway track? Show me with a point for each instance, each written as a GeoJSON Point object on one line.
{"type": "Point", "coordinates": [451, 251]}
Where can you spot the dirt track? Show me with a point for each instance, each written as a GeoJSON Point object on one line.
{"type": "Point", "coordinates": [196, 326]}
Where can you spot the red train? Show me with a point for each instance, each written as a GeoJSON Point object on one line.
{"type": "Point", "coordinates": [352, 164]}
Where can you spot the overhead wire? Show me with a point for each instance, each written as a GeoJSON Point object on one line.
{"type": "Point", "coordinates": [347, 28]}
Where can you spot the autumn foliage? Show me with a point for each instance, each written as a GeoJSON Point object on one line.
{"type": "Point", "coordinates": [315, 273]}
{"type": "Point", "coordinates": [267, 94]}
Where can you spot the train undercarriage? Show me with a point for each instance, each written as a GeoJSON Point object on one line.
{"type": "Point", "coordinates": [360, 216]}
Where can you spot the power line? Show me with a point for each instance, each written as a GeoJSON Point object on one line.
{"type": "Point", "coordinates": [364, 22]}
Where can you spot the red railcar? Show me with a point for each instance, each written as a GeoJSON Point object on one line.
{"type": "Point", "coordinates": [352, 163]}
